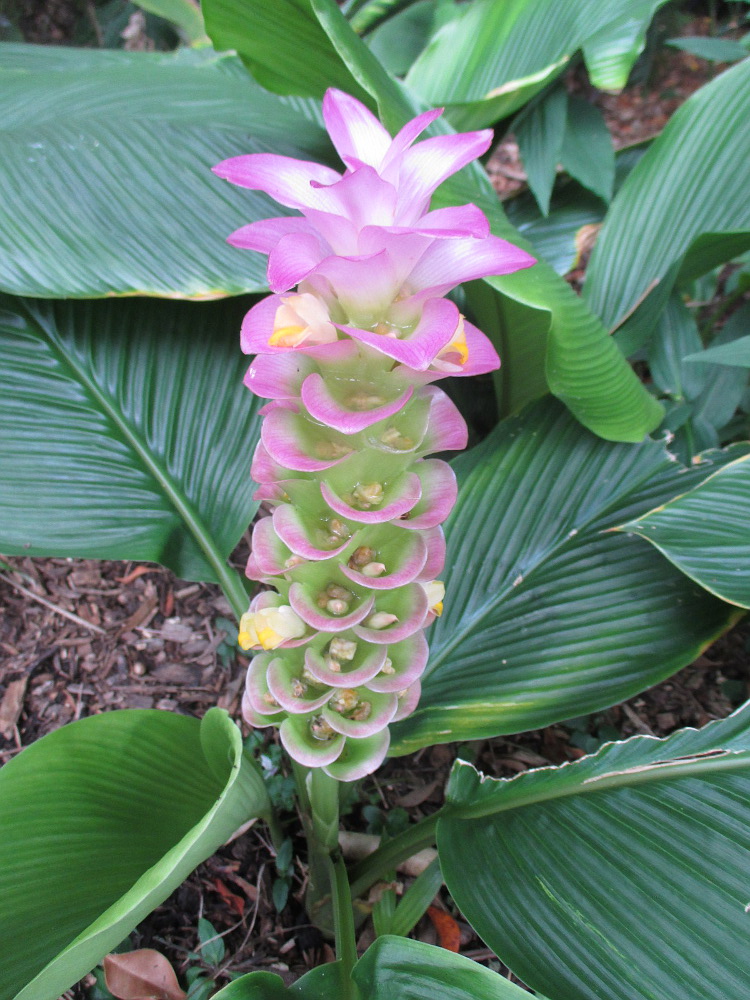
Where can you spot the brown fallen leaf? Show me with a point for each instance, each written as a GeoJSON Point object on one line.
{"type": "Point", "coordinates": [144, 974]}
{"type": "Point", "coordinates": [448, 931]}
{"type": "Point", "coordinates": [232, 900]}
{"type": "Point", "coordinates": [11, 706]}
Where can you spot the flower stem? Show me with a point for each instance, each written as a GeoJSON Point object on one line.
{"type": "Point", "coordinates": [393, 852]}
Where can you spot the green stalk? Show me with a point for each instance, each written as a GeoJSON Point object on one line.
{"type": "Point", "coordinates": [343, 922]}
{"type": "Point", "coordinates": [393, 853]}
{"type": "Point", "coordinates": [319, 806]}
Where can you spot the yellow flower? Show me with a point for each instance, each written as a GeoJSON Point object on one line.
{"type": "Point", "coordinates": [267, 628]}
{"type": "Point", "coordinates": [435, 594]}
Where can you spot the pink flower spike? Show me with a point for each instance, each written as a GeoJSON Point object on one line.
{"type": "Point", "coordinates": [407, 135]}
{"type": "Point", "coordinates": [294, 533]}
{"type": "Point", "coordinates": [365, 667]}
{"type": "Point", "coordinates": [376, 709]}
{"type": "Point", "coordinates": [408, 605]}
{"type": "Point", "coordinates": [481, 355]}
{"type": "Point", "coordinates": [257, 719]}
{"type": "Point", "coordinates": [354, 129]}
{"type": "Point", "coordinates": [280, 323]}
{"type": "Point", "coordinates": [425, 166]}
{"type": "Point", "coordinates": [446, 428]}
{"type": "Point", "coordinates": [436, 327]}
{"type": "Point", "coordinates": [401, 498]}
{"type": "Point", "coordinates": [289, 439]}
{"type": "Point", "coordinates": [439, 493]}
{"type": "Point", "coordinates": [321, 405]}
{"type": "Point", "coordinates": [408, 701]}
{"type": "Point", "coordinates": [292, 259]}
{"type": "Point", "coordinates": [266, 233]}
{"type": "Point", "coordinates": [360, 757]}
{"type": "Point", "coordinates": [278, 376]}
{"type": "Point", "coordinates": [290, 691]}
{"type": "Point", "coordinates": [404, 665]}
{"type": "Point", "coordinates": [458, 220]}
{"type": "Point", "coordinates": [447, 263]}
{"type": "Point", "coordinates": [304, 605]}
{"type": "Point", "coordinates": [269, 554]}
{"type": "Point", "coordinates": [406, 569]}
{"type": "Point", "coordinates": [286, 180]}
{"type": "Point", "coordinates": [433, 567]}
{"type": "Point", "coordinates": [296, 735]}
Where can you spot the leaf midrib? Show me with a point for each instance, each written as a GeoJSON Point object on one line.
{"type": "Point", "coordinates": [627, 777]}
{"type": "Point", "coordinates": [228, 580]}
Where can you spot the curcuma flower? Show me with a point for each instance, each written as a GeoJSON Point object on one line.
{"type": "Point", "coordinates": [347, 346]}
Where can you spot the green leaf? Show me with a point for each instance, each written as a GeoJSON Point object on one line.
{"type": "Point", "coordinates": [706, 532]}
{"type": "Point", "coordinates": [549, 614]}
{"type": "Point", "coordinates": [101, 821]}
{"type": "Point", "coordinates": [398, 42]}
{"type": "Point", "coordinates": [128, 139]}
{"type": "Point", "coordinates": [186, 14]}
{"type": "Point", "coordinates": [736, 354]}
{"type": "Point", "coordinates": [611, 53]}
{"type": "Point", "coordinates": [127, 433]}
{"type": "Point", "coordinates": [212, 945]}
{"type": "Point", "coordinates": [691, 181]}
{"type": "Point", "coordinates": [281, 43]}
{"type": "Point", "coordinates": [582, 365]}
{"type": "Point", "coordinates": [723, 50]}
{"type": "Point", "coordinates": [587, 151]}
{"type": "Point", "coordinates": [555, 238]}
{"type": "Point", "coordinates": [540, 134]}
{"type": "Point", "coordinates": [494, 57]}
{"type": "Point", "coordinates": [622, 875]}
{"type": "Point", "coordinates": [326, 982]}
{"type": "Point", "coordinates": [413, 904]}
{"type": "Point", "coordinates": [395, 967]}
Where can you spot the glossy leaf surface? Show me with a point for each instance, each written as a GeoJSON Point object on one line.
{"type": "Point", "coordinates": [101, 820]}
{"type": "Point", "coordinates": [282, 44]}
{"type": "Point", "coordinates": [622, 875]}
{"type": "Point", "coordinates": [549, 614]}
{"type": "Point", "coordinates": [129, 139]}
{"type": "Point", "coordinates": [127, 432]}
{"type": "Point", "coordinates": [411, 970]}
{"type": "Point", "coordinates": [691, 181]}
{"type": "Point", "coordinates": [494, 57]}
{"type": "Point", "coordinates": [540, 135]}
{"type": "Point", "coordinates": [706, 532]}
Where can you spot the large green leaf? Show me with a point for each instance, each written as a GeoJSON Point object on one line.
{"type": "Point", "coordinates": [100, 822]}
{"type": "Point", "coordinates": [395, 968]}
{"type": "Point", "coordinates": [186, 14]}
{"type": "Point", "coordinates": [540, 133]}
{"type": "Point", "coordinates": [624, 875]}
{"type": "Point", "coordinates": [582, 365]}
{"type": "Point", "coordinates": [105, 166]}
{"type": "Point", "coordinates": [494, 57]}
{"type": "Point", "coordinates": [550, 614]}
{"type": "Point", "coordinates": [127, 433]}
{"type": "Point", "coordinates": [691, 181]}
{"type": "Point", "coordinates": [282, 44]}
{"type": "Point", "coordinates": [706, 532]}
